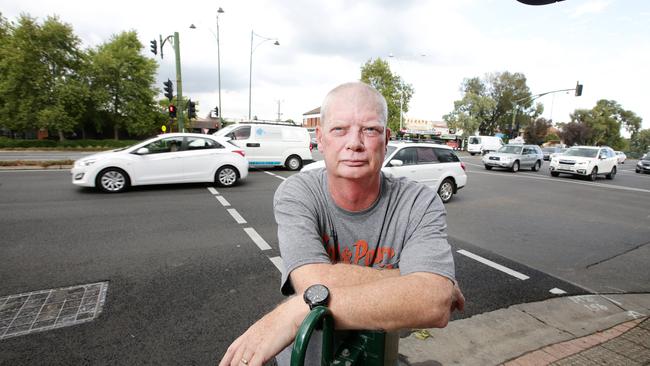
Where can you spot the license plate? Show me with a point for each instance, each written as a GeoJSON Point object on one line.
{"type": "Point", "coordinates": [565, 167]}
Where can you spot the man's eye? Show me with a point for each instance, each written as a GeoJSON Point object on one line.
{"type": "Point", "coordinates": [372, 130]}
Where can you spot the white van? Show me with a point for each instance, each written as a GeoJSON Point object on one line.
{"type": "Point", "coordinates": [271, 144]}
{"type": "Point", "coordinates": [483, 144]}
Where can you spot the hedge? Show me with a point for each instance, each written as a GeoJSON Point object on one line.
{"type": "Point", "coordinates": [7, 143]}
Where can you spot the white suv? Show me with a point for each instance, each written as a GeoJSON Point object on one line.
{"type": "Point", "coordinates": [586, 161]}
{"type": "Point", "coordinates": [434, 165]}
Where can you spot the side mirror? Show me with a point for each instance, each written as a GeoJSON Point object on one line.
{"type": "Point", "coordinates": [396, 162]}
{"type": "Point", "coordinates": [142, 151]}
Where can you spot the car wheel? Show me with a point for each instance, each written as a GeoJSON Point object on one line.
{"type": "Point", "coordinates": [488, 167]}
{"type": "Point", "coordinates": [593, 175]}
{"type": "Point", "coordinates": [637, 170]}
{"type": "Point", "coordinates": [472, 154]}
{"type": "Point", "coordinates": [611, 174]}
{"type": "Point", "coordinates": [555, 174]}
{"type": "Point", "coordinates": [536, 166]}
{"type": "Point", "coordinates": [293, 162]}
{"type": "Point", "coordinates": [112, 180]}
{"type": "Point", "coordinates": [515, 167]}
{"type": "Point", "coordinates": [226, 176]}
{"type": "Point", "coordinates": [446, 190]}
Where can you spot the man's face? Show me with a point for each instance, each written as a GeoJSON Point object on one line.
{"type": "Point", "coordinates": [353, 139]}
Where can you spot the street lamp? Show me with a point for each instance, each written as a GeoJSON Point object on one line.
{"type": "Point", "coordinates": [401, 92]}
{"type": "Point", "coordinates": [220, 112]}
{"type": "Point", "coordinates": [250, 70]}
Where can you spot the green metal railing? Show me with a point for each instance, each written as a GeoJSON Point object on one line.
{"type": "Point", "coordinates": [362, 347]}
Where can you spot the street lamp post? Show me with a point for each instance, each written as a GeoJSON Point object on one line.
{"type": "Point", "coordinates": [192, 26]}
{"type": "Point", "coordinates": [401, 94]}
{"type": "Point", "coordinates": [250, 69]}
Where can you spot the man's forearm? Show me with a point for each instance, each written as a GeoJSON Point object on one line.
{"type": "Point", "coordinates": [337, 275]}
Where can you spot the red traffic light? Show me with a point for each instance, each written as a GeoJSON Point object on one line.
{"type": "Point", "coordinates": [172, 111]}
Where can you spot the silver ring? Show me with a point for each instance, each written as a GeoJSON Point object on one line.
{"type": "Point", "coordinates": [244, 361]}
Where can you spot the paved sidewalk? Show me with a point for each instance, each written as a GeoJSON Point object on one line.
{"type": "Point", "coordinates": [577, 330]}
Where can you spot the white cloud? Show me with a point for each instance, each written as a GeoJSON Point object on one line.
{"type": "Point", "coordinates": [590, 7]}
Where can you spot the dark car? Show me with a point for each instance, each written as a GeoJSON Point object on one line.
{"type": "Point", "coordinates": [643, 166]}
{"type": "Point", "coordinates": [550, 150]}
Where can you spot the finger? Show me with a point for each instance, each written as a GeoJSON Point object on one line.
{"type": "Point", "coordinates": [247, 358]}
{"type": "Point", "coordinates": [230, 352]}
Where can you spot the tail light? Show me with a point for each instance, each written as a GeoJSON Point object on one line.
{"type": "Point", "coordinates": [311, 146]}
{"type": "Point", "coordinates": [462, 165]}
{"type": "Point", "coordinates": [240, 152]}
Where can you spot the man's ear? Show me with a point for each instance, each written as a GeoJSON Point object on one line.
{"type": "Point", "coordinates": [387, 135]}
{"type": "Point", "coordinates": [319, 138]}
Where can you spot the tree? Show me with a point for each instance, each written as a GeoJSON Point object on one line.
{"type": "Point", "coordinates": [488, 104]}
{"type": "Point", "coordinates": [641, 141]}
{"type": "Point", "coordinates": [551, 137]}
{"type": "Point", "coordinates": [40, 64]}
{"type": "Point", "coordinates": [377, 74]}
{"type": "Point", "coordinates": [575, 133]}
{"type": "Point", "coordinates": [605, 121]}
{"type": "Point", "coordinates": [123, 85]}
{"type": "Point", "coordinates": [536, 131]}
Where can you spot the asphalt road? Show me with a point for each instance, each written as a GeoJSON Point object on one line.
{"type": "Point", "coordinates": [185, 278]}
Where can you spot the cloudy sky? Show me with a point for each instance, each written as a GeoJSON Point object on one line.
{"type": "Point", "coordinates": [605, 44]}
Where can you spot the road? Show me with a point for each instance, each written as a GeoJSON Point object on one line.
{"type": "Point", "coordinates": [9, 155]}
{"type": "Point", "coordinates": [186, 277]}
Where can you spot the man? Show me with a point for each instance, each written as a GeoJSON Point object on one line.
{"type": "Point", "coordinates": [377, 243]}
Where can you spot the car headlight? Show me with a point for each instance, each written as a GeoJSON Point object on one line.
{"type": "Point", "coordinates": [582, 163]}
{"type": "Point", "coordinates": [87, 162]}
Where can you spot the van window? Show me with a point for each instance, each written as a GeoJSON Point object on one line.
{"type": "Point", "coordinates": [446, 156]}
{"type": "Point", "coordinates": [242, 133]}
{"type": "Point", "coordinates": [474, 140]}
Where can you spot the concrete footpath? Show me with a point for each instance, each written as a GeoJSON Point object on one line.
{"type": "Point", "coordinates": [576, 330]}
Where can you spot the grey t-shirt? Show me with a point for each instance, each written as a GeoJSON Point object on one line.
{"type": "Point", "coordinates": [405, 228]}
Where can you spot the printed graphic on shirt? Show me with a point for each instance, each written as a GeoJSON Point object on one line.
{"type": "Point", "coordinates": [360, 253]}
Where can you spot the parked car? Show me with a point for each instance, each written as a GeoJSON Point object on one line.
{"type": "Point", "coordinates": [167, 158]}
{"type": "Point", "coordinates": [643, 165]}
{"type": "Point", "coordinates": [312, 136]}
{"type": "Point", "coordinates": [586, 161]}
{"type": "Point", "coordinates": [548, 151]}
{"type": "Point", "coordinates": [271, 144]}
{"type": "Point", "coordinates": [514, 157]}
{"type": "Point", "coordinates": [621, 157]}
{"type": "Point", "coordinates": [435, 165]}
{"type": "Point", "coordinates": [560, 152]}
{"type": "Point", "coordinates": [483, 144]}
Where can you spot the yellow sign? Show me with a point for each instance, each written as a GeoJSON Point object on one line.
{"type": "Point", "coordinates": [163, 128]}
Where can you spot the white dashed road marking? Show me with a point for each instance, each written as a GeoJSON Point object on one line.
{"type": "Point", "coordinates": [212, 190]}
{"type": "Point", "coordinates": [275, 175]}
{"type": "Point", "coordinates": [235, 215]}
{"type": "Point", "coordinates": [259, 241]}
{"type": "Point", "coordinates": [557, 291]}
{"type": "Point", "coordinates": [223, 201]}
{"type": "Point", "coordinates": [494, 265]}
{"type": "Point", "coordinates": [277, 261]}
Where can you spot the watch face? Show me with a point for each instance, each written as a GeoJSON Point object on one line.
{"type": "Point", "coordinates": [316, 294]}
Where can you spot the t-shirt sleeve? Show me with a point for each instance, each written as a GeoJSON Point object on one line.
{"type": "Point", "coordinates": [426, 248]}
{"type": "Point", "coordinates": [295, 209]}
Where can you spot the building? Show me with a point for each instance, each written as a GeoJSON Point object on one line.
{"type": "Point", "coordinates": [311, 118]}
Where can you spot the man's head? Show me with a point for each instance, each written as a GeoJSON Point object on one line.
{"type": "Point", "coordinates": [352, 135]}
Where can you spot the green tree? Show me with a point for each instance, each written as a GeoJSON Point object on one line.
{"type": "Point", "coordinates": [551, 137]}
{"type": "Point", "coordinates": [605, 120]}
{"type": "Point", "coordinates": [122, 82]}
{"type": "Point", "coordinates": [641, 142]}
{"type": "Point", "coordinates": [40, 64]}
{"type": "Point", "coordinates": [377, 73]}
{"type": "Point", "coordinates": [536, 131]}
{"type": "Point", "coordinates": [488, 104]}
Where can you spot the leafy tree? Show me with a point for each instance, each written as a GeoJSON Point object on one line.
{"type": "Point", "coordinates": [551, 137]}
{"type": "Point", "coordinates": [40, 65]}
{"type": "Point", "coordinates": [575, 133]}
{"type": "Point", "coordinates": [122, 83]}
{"type": "Point", "coordinates": [377, 74]}
{"type": "Point", "coordinates": [605, 121]}
{"type": "Point", "coordinates": [641, 142]}
{"type": "Point", "coordinates": [536, 131]}
{"type": "Point", "coordinates": [488, 104]}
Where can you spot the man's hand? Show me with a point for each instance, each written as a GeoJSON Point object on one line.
{"type": "Point", "coordinates": [268, 336]}
{"type": "Point", "coordinates": [457, 299]}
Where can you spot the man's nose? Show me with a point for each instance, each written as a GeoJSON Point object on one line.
{"type": "Point", "coordinates": [355, 141]}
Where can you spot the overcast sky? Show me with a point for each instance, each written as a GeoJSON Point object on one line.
{"type": "Point", "coordinates": [605, 44]}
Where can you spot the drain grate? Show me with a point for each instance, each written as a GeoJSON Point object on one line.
{"type": "Point", "coordinates": [39, 311]}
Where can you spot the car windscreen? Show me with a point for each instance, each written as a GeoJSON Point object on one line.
{"type": "Point", "coordinates": [646, 157]}
{"type": "Point", "coordinates": [474, 140]}
{"type": "Point", "coordinates": [549, 149]}
{"type": "Point", "coordinates": [580, 151]}
{"type": "Point", "coordinates": [509, 149]}
{"type": "Point", "coordinates": [389, 151]}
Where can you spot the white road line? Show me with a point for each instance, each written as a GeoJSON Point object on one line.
{"type": "Point", "coordinates": [275, 175]}
{"type": "Point", "coordinates": [235, 215]}
{"type": "Point", "coordinates": [257, 238]}
{"type": "Point", "coordinates": [494, 265]}
{"type": "Point", "coordinates": [277, 261]}
{"type": "Point", "coordinates": [557, 291]}
{"type": "Point", "coordinates": [560, 180]}
{"type": "Point", "coordinates": [213, 191]}
{"type": "Point", "coordinates": [222, 200]}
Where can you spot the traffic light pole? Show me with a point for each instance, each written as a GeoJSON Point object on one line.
{"type": "Point", "coordinates": [179, 84]}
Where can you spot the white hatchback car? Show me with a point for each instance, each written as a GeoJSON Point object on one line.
{"type": "Point", "coordinates": [435, 165]}
{"type": "Point", "coordinates": [586, 161]}
{"type": "Point", "coordinates": [167, 158]}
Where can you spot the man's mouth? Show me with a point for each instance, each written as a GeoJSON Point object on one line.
{"type": "Point", "coordinates": [354, 163]}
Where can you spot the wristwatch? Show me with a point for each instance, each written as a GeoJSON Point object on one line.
{"type": "Point", "coordinates": [316, 295]}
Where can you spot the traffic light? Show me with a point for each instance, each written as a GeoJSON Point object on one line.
{"type": "Point", "coordinates": [191, 109]}
{"type": "Point", "coordinates": [154, 47]}
{"type": "Point", "coordinates": [578, 89]}
{"type": "Point", "coordinates": [172, 111]}
{"type": "Point", "coordinates": [169, 89]}
{"type": "Point", "coordinates": [216, 111]}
